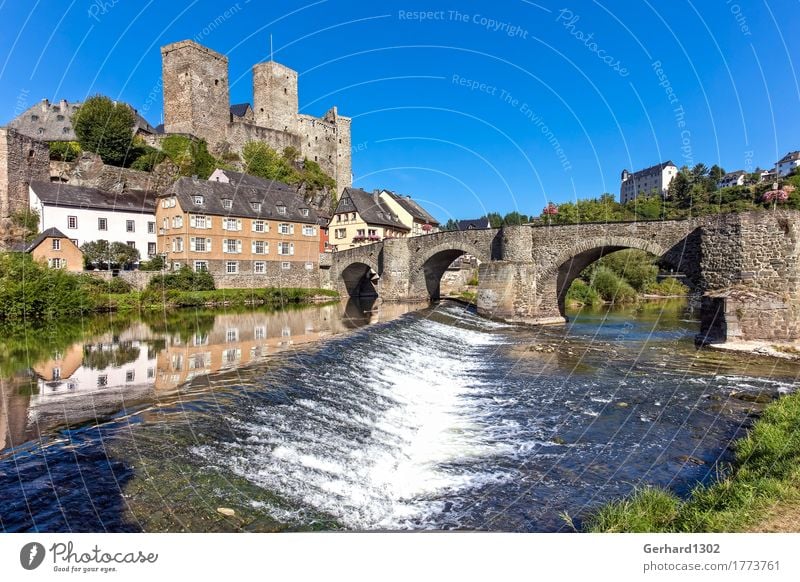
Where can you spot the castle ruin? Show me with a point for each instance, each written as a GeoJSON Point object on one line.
{"type": "Point", "coordinates": [197, 102]}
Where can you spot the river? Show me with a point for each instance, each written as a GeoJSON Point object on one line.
{"type": "Point", "coordinates": [354, 417]}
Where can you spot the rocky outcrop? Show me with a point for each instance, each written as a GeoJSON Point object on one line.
{"type": "Point", "coordinates": [90, 171]}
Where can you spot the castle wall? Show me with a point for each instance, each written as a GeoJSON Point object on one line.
{"type": "Point", "coordinates": [239, 133]}
{"type": "Point", "coordinates": [196, 96]}
{"type": "Point", "coordinates": [318, 143]}
{"type": "Point", "coordinates": [344, 165]}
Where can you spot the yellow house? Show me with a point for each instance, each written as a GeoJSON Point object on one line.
{"type": "Point", "coordinates": [56, 249]}
{"type": "Point", "coordinates": [410, 213]}
{"type": "Point", "coordinates": [363, 218]}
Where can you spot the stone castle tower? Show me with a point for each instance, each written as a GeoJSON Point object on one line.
{"type": "Point", "coordinates": [197, 102]}
{"type": "Point", "coordinates": [23, 159]}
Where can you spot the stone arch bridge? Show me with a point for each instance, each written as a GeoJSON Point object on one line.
{"type": "Point", "coordinates": [744, 265]}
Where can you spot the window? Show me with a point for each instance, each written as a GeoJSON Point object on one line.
{"type": "Point", "coordinates": [260, 332]}
{"type": "Point", "coordinates": [177, 245]}
{"type": "Point", "coordinates": [151, 228]}
{"type": "Point", "coordinates": [304, 211]}
{"type": "Point", "coordinates": [232, 224]}
{"type": "Point", "coordinates": [199, 221]}
{"type": "Point", "coordinates": [176, 266]}
{"type": "Point", "coordinates": [281, 209]}
{"type": "Point", "coordinates": [260, 226]}
{"type": "Point", "coordinates": [56, 263]}
{"type": "Point", "coordinates": [34, 118]}
{"type": "Point", "coordinates": [102, 380]}
{"type": "Point", "coordinates": [232, 267]}
{"type": "Point", "coordinates": [102, 224]}
{"type": "Point", "coordinates": [72, 222]}
{"type": "Point", "coordinates": [285, 228]}
{"type": "Point", "coordinates": [56, 244]}
{"type": "Point", "coordinates": [259, 267]}
{"type": "Point", "coordinates": [309, 231]}
{"type": "Point", "coordinates": [286, 265]}
{"type": "Point", "coordinates": [200, 266]}
{"type": "Point", "coordinates": [164, 223]}
{"type": "Point", "coordinates": [309, 266]}
{"type": "Point", "coordinates": [151, 249]}
{"type": "Point", "coordinates": [227, 203]}
{"type": "Point", "coordinates": [260, 247]}
{"type": "Point", "coordinates": [230, 245]}
{"type": "Point", "coordinates": [130, 226]}
{"type": "Point", "coordinates": [198, 200]}
{"type": "Point", "coordinates": [360, 232]}
{"type": "Point", "coordinates": [340, 233]}
{"type": "Point", "coordinates": [256, 206]}
{"type": "Point", "coordinates": [130, 375]}
{"type": "Point", "coordinates": [177, 222]}
{"type": "Point", "coordinates": [285, 248]}
{"type": "Point", "coordinates": [199, 244]}
{"type": "Point", "coordinates": [131, 244]}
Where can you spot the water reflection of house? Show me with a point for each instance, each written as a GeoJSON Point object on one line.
{"type": "Point", "coordinates": [235, 340]}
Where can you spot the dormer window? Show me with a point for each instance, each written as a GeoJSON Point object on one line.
{"type": "Point", "coordinates": [198, 200]}
{"type": "Point", "coordinates": [227, 203]}
{"type": "Point", "coordinates": [281, 209]}
{"type": "Point", "coordinates": [304, 211]}
{"type": "Point", "coordinates": [256, 206]}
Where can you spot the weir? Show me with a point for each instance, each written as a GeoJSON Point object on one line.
{"type": "Point", "coordinates": [744, 265]}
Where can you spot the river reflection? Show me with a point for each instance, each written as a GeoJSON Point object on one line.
{"type": "Point", "coordinates": [101, 374]}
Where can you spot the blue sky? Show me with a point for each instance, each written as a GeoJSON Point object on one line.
{"type": "Point", "coordinates": [471, 107]}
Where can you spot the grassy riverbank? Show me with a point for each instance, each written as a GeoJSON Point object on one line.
{"type": "Point", "coordinates": [32, 295]}
{"type": "Point", "coordinates": [764, 477]}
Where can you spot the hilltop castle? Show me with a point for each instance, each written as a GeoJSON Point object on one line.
{"type": "Point", "coordinates": [197, 102]}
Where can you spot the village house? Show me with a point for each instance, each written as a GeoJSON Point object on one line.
{"type": "Point", "coordinates": [473, 224]}
{"type": "Point", "coordinates": [410, 213]}
{"type": "Point", "coordinates": [230, 228]}
{"type": "Point", "coordinates": [737, 178]}
{"type": "Point", "coordinates": [88, 214]}
{"type": "Point", "coordinates": [787, 164]}
{"type": "Point", "coordinates": [652, 180]}
{"type": "Point", "coordinates": [54, 248]}
{"type": "Point", "coordinates": [363, 218]}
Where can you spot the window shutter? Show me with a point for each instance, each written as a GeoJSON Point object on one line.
{"type": "Point", "coordinates": [238, 224]}
{"type": "Point", "coordinates": [291, 248]}
{"type": "Point", "coordinates": [208, 222]}
{"type": "Point", "coordinates": [224, 224]}
{"type": "Point", "coordinates": [266, 247]}
{"type": "Point", "coordinates": [192, 221]}
{"type": "Point", "coordinates": [238, 246]}
{"type": "Point", "coordinates": [208, 244]}
{"type": "Point", "coordinates": [291, 229]}
{"type": "Point", "coordinates": [252, 226]}
{"type": "Point", "coordinates": [253, 246]}
{"type": "Point", "coordinates": [191, 244]}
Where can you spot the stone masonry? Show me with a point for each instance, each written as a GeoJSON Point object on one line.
{"type": "Point", "coordinates": [744, 265]}
{"type": "Point", "coordinates": [197, 102]}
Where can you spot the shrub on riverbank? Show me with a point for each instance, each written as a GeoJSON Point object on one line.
{"type": "Point", "coordinates": [582, 294]}
{"type": "Point", "coordinates": [183, 280]}
{"type": "Point", "coordinates": [766, 471]}
{"type": "Point", "coordinates": [611, 287]}
{"type": "Point", "coordinates": [668, 287]}
{"type": "Point", "coordinates": [152, 299]}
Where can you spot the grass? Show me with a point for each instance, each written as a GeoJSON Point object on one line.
{"type": "Point", "coordinates": [764, 474]}
{"type": "Point", "coordinates": [168, 299]}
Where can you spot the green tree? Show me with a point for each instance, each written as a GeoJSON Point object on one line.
{"type": "Point", "coordinates": [123, 255]}
{"type": "Point", "coordinates": [495, 220]}
{"type": "Point", "coordinates": [96, 254]}
{"type": "Point", "coordinates": [105, 128]}
{"type": "Point", "coordinates": [451, 224]}
{"type": "Point", "coordinates": [515, 218]}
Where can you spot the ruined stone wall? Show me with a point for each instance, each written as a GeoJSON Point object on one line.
{"type": "Point", "coordinates": [89, 171]}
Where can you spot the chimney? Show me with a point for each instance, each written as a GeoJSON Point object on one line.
{"type": "Point", "coordinates": [45, 105]}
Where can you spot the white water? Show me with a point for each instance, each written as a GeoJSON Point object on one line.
{"type": "Point", "coordinates": [374, 452]}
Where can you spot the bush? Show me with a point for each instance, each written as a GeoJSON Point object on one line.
{"type": "Point", "coordinates": [154, 264]}
{"type": "Point", "coordinates": [183, 280]}
{"type": "Point", "coordinates": [148, 159]}
{"type": "Point", "coordinates": [105, 128]}
{"type": "Point", "coordinates": [634, 266]}
{"type": "Point", "coordinates": [668, 286]}
{"type": "Point", "coordinates": [190, 155]}
{"type": "Point", "coordinates": [64, 151]}
{"type": "Point", "coordinates": [611, 287]}
{"type": "Point", "coordinates": [93, 285]}
{"type": "Point", "coordinates": [263, 161]}
{"type": "Point", "coordinates": [580, 293]}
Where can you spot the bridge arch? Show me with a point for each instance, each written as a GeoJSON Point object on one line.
{"type": "Point", "coordinates": [429, 265]}
{"type": "Point", "coordinates": [568, 264]}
